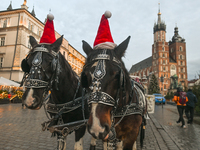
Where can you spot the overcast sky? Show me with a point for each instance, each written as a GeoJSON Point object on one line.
{"type": "Point", "coordinates": [79, 20]}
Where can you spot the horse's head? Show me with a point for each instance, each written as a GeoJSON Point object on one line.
{"type": "Point", "coordinates": [40, 67]}
{"type": "Point", "coordinates": [103, 76]}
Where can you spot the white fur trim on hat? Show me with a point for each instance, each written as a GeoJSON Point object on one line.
{"type": "Point", "coordinates": [105, 45]}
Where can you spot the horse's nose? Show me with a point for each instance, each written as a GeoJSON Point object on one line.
{"type": "Point", "coordinates": [102, 135]}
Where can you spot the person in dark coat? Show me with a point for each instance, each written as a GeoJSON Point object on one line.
{"type": "Point", "coordinates": [189, 111]}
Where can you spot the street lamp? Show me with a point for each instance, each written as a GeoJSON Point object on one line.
{"type": "Point", "coordinates": [162, 80]}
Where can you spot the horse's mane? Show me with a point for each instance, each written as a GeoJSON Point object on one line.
{"type": "Point", "coordinates": [70, 72]}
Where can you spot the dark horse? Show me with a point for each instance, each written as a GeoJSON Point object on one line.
{"type": "Point", "coordinates": [116, 103]}
{"type": "Point", "coordinates": [47, 70]}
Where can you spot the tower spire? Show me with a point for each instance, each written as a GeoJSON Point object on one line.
{"type": "Point", "coordinates": [10, 6]}
{"type": "Point", "coordinates": [33, 12]}
{"type": "Point", "coordinates": [159, 14]}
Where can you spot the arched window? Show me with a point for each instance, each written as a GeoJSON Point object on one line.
{"type": "Point", "coordinates": [172, 70]}
{"type": "Point", "coordinates": [164, 62]}
{"type": "Point", "coordinates": [180, 48]}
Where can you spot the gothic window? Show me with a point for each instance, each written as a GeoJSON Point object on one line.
{"type": "Point", "coordinates": [172, 70]}
{"type": "Point", "coordinates": [158, 36]}
{"type": "Point", "coordinates": [2, 41]}
{"type": "Point", "coordinates": [181, 76]}
{"type": "Point", "coordinates": [5, 23]}
{"type": "Point", "coordinates": [164, 62]}
{"type": "Point", "coordinates": [163, 48]}
{"type": "Point", "coordinates": [32, 28]}
{"type": "Point", "coordinates": [181, 57]}
{"type": "Point", "coordinates": [29, 25]}
{"type": "Point", "coordinates": [181, 69]}
{"type": "Point", "coordinates": [164, 68]}
{"type": "Point", "coordinates": [180, 48]}
{"type": "Point", "coordinates": [181, 63]}
{"type": "Point", "coordinates": [163, 55]}
{"type": "Point", "coordinates": [37, 31]}
{"type": "Point", "coordinates": [1, 62]}
{"type": "Point", "coordinates": [164, 86]}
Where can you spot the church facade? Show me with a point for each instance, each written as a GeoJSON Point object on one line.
{"type": "Point", "coordinates": [16, 25]}
{"type": "Point", "coordinates": [168, 60]}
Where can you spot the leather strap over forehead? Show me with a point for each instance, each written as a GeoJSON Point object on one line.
{"type": "Point", "coordinates": [106, 57]}
{"type": "Point", "coordinates": [43, 49]}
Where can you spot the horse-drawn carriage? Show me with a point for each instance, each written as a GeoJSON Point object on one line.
{"type": "Point", "coordinates": [104, 99]}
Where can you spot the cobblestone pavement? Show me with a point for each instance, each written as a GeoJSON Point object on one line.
{"type": "Point", "coordinates": [167, 134]}
{"type": "Point", "coordinates": [20, 129]}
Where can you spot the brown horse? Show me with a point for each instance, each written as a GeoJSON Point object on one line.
{"type": "Point", "coordinates": [47, 70]}
{"type": "Point", "coordinates": [117, 104]}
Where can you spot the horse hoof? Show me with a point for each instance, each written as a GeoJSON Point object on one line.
{"type": "Point", "coordinates": [92, 147]}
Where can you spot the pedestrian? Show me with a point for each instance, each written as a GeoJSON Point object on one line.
{"type": "Point", "coordinates": [180, 98]}
{"type": "Point", "coordinates": [189, 111]}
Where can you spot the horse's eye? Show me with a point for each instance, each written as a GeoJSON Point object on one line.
{"type": "Point", "coordinates": [84, 80]}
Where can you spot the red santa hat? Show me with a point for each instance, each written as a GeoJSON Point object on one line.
{"type": "Point", "coordinates": [104, 38]}
{"type": "Point", "coordinates": [48, 35]}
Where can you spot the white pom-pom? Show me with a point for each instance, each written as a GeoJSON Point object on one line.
{"type": "Point", "coordinates": [50, 16]}
{"type": "Point", "coordinates": [107, 14]}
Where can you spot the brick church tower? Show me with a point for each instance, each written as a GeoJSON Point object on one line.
{"type": "Point", "coordinates": [160, 54]}
{"type": "Point", "coordinates": [168, 60]}
{"type": "Point", "coordinates": [177, 53]}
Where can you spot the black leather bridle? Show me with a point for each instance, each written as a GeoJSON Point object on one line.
{"type": "Point", "coordinates": [33, 76]}
{"type": "Point", "coordinates": [96, 95]}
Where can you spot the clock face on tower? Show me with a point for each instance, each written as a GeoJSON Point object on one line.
{"type": "Point", "coordinates": [172, 70]}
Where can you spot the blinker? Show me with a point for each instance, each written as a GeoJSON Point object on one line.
{"type": "Point", "coordinates": [25, 67]}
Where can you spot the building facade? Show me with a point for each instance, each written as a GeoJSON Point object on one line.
{"type": "Point", "coordinates": [168, 59]}
{"type": "Point", "coordinates": [16, 25]}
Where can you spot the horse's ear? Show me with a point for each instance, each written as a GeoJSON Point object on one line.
{"type": "Point", "coordinates": [32, 41]}
{"type": "Point", "coordinates": [86, 47]}
{"type": "Point", "coordinates": [120, 49]}
{"type": "Point", "coordinates": [56, 45]}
